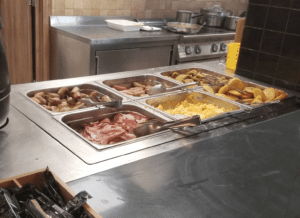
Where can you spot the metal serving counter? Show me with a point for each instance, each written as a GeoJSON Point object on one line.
{"type": "Point", "coordinates": [199, 173]}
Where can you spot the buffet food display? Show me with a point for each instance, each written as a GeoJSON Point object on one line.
{"type": "Point", "coordinates": [104, 127]}
{"type": "Point", "coordinates": [227, 87]}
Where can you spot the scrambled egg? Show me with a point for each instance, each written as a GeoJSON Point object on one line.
{"type": "Point", "coordinates": [190, 106]}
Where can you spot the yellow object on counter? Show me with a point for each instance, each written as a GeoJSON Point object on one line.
{"type": "Point", "coordinates": [232, 55]}
{"type": "Point", "coordinates": [190, 106]}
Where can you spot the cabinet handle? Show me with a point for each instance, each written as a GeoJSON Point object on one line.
{"type": "Point", "coordinates": [97, 64]}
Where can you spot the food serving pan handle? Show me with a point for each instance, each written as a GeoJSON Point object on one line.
{"type": "Point", "coordinates": [189, 121]}
{"type": "Point", "coordinates": [153, 127]}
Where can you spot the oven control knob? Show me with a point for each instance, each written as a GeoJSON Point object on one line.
{"type": "Point", "coordinates": [214, 48]}
{"type": "Point", "coordinates": [188, 50]}
{"type": "Point", "coordinates": [197, 49]}
{"type": "Point", "coordinates": [223, 47]}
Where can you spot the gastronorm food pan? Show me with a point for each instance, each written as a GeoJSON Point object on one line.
{"type": "Point", "coordinates": [179, 96]}
{"type": "Point", "coordinates": [96, 87]}
{"type": "Point", "coordinates": [144, 80]}
{"type": "Point", "coordinates": [76, 120]}
{"type": "Point", "coordinates": [168, 74]}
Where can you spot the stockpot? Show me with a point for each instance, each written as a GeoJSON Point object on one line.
{"type": "Point", "coordinates": [183, 16]}
{"type": "Point", "coordinates": [214, 17]}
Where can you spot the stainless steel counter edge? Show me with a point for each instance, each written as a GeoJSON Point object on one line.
{"type": "Point", "coordinates": [72, 167]}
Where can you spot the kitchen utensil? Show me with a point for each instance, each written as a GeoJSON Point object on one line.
{"type": "Point", "coordinates": [95, 97]}
{"type": "Point", "coordinates": [231, 22]}
{"type": "Point", "coordinates": [89, 102]}
{"type": "Point", "coordinates": [186, 28]}
{"type": "Point", "coordinates": [183, 16]}
{"type": "Point", "coordinates": [214, 17]}
{"type": "Point", "coordinates": [4, 84]}
{"type": "Point", "coordinates": [156, 126]}
{"type": "Point", "coordinates": [161, 88]}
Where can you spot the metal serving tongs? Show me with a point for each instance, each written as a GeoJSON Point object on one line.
{"type": "Point", "coordinates": [160, 88]}
{"type": "Point", "coordinates": [157, 126]}
{"type": "Point", "coordinates": [94, 100]}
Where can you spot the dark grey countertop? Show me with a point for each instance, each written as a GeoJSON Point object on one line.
{"type": "Point", "coordinates": [102, 34]}
{"type": "Point", "coordinates": [252, 172]}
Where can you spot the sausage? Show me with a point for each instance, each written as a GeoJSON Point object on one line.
{"type": "Point", "coordinates": [138, 85]}
{"type": "Point", "coordinates": [84, 95]}
{"type": "Point", "coordinates": [75, 89]}
{"type": "Point", "coordinates": [106, 98]}
{"type": "Point", "coordinates": [82, 105]}
{"type": "Point", "coordinates": [64, 109]}
{"type": "Point", "coordinates": [138, 92]}
{"type": "Point", "coordinates": [54, 109]}
{"type": "Point", "coordinates": [62, 92]}
{"type": "Point", "coordinates": [136, 88]}
{"type": "Point", "coordinates": [71, 100]}
{"type": "Point", "coordinates": [119, 88]}
{"type": "Point", "coordinates": [53, 95]}
{"type": "Point", "coordinates": [47, 107]}
{"type": "Point", "coordinates": [36, 100]}
{"type": "Point", "coordinates": [62, 105]}
{"type": "Point", "coordinates": [39, 94]}
{"type": "Point", "coordinates": [54, 101]}
{"type": "Point", "coordinates": [77, 95]}
{"type": "Point", "coordinates": [127, 92]}
{"type": "Point", "coordinates": [42, 100]}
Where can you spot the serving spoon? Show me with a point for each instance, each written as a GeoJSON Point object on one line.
{"type": "Point", "coordinates": [157, 89]}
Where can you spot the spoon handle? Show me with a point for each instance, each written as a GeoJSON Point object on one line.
{"type": "Point", "coordinates": [182, 86]}
{"type": "Point", "coordinates": [189, 121]}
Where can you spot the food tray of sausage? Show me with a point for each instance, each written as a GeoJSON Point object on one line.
{"type": "Point", "coordinates": [188, 103]}
{"type": "Point", "coordinates": [108, 127]}
{"type": "Point", "coordinates": [136, 87]}
{"type": "Point", "coordinates": [65, 99]}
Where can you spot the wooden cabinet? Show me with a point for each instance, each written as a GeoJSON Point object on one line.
{"type": "Point", "coordinates": [26, 31]}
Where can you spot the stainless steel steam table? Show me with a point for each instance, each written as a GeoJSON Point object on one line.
{"type": "Point", "coordinates": [248, 172]}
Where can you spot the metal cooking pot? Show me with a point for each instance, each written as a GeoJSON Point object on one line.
{"type": "Point", "coordinates": [195, 18]}
{"type": "Point", "coordinates": [4, 84]}
{"type": "Point", "coordinates": [214, 17]}
{"type": "Point", "coordinates": [183, 16]}
{"type": "Point", "coordinates": [231, 22]}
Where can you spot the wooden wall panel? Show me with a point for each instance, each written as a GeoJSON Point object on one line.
{"type": "Point", "coordinates": [16, 17]}
{"type": "Point", "coordinates": [43, 13]}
